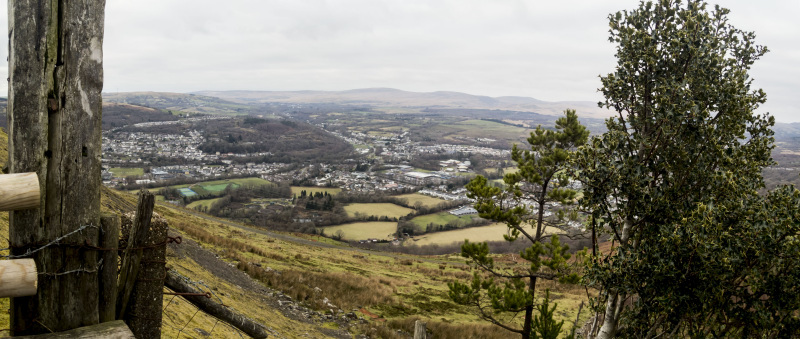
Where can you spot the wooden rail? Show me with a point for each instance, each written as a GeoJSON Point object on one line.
{"type": "Point", "coordinates": [18, 278]}
{"type": "Point", "coordinates": [108, 330]}
{"type": "Point", "coordinates": [19, 191]}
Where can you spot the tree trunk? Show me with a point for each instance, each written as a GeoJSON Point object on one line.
{"type": "Point", "coordinates": [54, 113]}
{"type": "Point", "coordinates": [609, 328]}
{"type": "Point", "coordinates": [614, 302]}
{"type": "Point", "coordinates": [528, 322]}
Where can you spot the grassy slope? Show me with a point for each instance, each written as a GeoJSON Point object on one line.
{"type": "Point", "coordinates": [3, 148]}
{"type": "Point", "coordinates": [398, 288]}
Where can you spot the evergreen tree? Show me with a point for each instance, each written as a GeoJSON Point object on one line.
{"type": "Point", "coordinates": [697, 252]}
{"type": "Point", "coordinates": [542, 177]}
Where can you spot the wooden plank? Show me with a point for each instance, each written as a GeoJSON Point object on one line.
{"type": "Point", "coordinates": [109, 239]}
{"type": "Point", "coordinates": [133, 253]}
{"type": "Point", "coordinates": [54, 113]}
{"type": "Point", "coordinates": [18, 278]}
{"type": "Point", "coordinates": [215, 309]}
{"type": "Point", "coordinates": [144, 312]}
{"type": "Point", "coordinates": [108, 330]}
{"type": "Point", "coordinates": [19, 191]}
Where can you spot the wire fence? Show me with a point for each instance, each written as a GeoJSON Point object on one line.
{"type": "Point", "coordinates": [171, 317]}
{"type": "Point", "coordinates": [177, 319]}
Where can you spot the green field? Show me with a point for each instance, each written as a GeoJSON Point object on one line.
{"type": "Point", "coordinates": [506, 170]}
{"type": "Point", "coordinates": [378, 210]}
{"type": "Point", "coordinates": [493, 232]}
{"type": "Point", "coordinates": [219, 187]}
{"type": "Point", "coordinates": [314, 189]}
{"type": "Point", "coordinates": [440, 219]}
{"type": "Point", "coordinates": [426, 200]}
{"type": "Point", "coordinates": [488, 129]}
{"type": "Point", "coordinates": [126, 172]}
{"type": "Point", "coordinates": [205, 203]}
{"type": "Point", "coordinates": [364, 230]}
{"type": "Point", "coordinates": [216, 186]}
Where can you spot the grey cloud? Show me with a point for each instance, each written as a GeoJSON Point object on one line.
{"type": "Point", "coordinates": [547, 50]}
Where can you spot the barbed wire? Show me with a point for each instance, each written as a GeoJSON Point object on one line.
{"type": "Point", "coordinates": [51, 243]}
{"type": "Point", "coordinates": [77, 270]}
{"type": "Point", "coordinates": [204, 288]}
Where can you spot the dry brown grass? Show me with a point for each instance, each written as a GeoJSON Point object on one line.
{"type": "Point", "coordinates": [446, 330]}
{"type": "Point", "coordinates": [344, 290]}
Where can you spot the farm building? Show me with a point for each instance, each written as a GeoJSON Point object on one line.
{"type": "Point", "coordinates": [419, 178]}
{"type": "Point", "coordinates": [463, 210]}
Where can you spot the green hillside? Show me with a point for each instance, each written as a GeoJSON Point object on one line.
{"type": "Point", "coordinates": [308, 286]}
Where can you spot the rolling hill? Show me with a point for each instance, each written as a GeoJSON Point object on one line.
{"type": "Point", "coordinates": [389, 97]}
{"type": "Point", "coordinates": [309, 286]}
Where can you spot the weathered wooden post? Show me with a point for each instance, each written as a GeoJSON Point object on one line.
{"type": "Point", "coordinates": [109, 239]}
{"type": "Point", "coordinates": [54, 112]}
{"type": "Point", "coordinates": [143, 315]}
{"type": "Point", "coordinates": [420, 330]}
{"type": "Point", "coordinates": [131, 260]}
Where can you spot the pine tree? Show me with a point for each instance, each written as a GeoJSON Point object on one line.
{"type": "Point", "coordinates": [542, 177]}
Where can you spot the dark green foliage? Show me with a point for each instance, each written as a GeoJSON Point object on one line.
{"type": "Point", "coordinates": [544, 326]}
{"type": "Point", "coordinates": [674, 181]}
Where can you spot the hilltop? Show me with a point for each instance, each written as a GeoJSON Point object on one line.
{"type": "Point", "coordinates": [178, 102]}
{"type": "Point", "coordinates": [389, 97]}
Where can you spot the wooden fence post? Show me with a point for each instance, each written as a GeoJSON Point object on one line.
{"type": "Point", "coordinates": [109, 239]}
{"type": "Point", "coordinates": [133, 253]}
{"type": "Point", "coordinates": [420, 331]}
{"type": "Point", "coordinates": [55, 67]}
{"type": "Point", "coordinates": [143, 315]}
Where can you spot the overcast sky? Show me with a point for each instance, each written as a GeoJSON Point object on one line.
{"type": "Point", "coordinates": [549, 50]}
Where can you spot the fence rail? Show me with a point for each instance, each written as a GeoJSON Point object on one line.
{"type": "Point", "coordinates": [19, 191]}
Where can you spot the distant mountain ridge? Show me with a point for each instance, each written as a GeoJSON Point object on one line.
{"type": "Point", "coordinates": [390, 97]}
